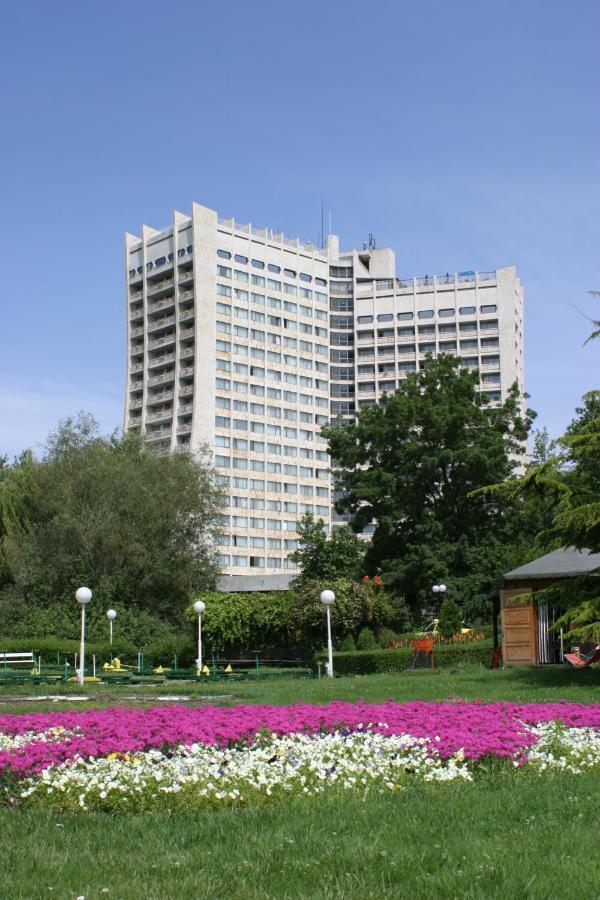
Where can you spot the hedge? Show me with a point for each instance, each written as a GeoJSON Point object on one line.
{"type": "Point", "coordinates": [369, 662]}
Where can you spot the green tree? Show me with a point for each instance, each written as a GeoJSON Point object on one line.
{"type": "Point", "coordinates": [138, 527]}
{"type": "Point", "coordinates": [567, 486]}
{"type": "Point", "coordinates": [324, 558]}
{"type": "Point", "coordinates": [366, 640]}
{"type": "Point", "coordinates": [411, 464]}
{"type": "Point", "coordinates": [450, 618]}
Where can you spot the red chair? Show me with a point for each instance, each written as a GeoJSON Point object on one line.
{"type": "Point", "coordinates": [424, 646]}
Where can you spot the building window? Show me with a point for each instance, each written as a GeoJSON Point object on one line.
{"type": "Point", "coordinates": [224, 254]}
{"type": "Point", "coordinates": [425, 314]}
{"type": "Point", "coordinates": [488, 308]}
{"type": "Point", "coordinates": [273, 268]}
{"type": "Point", "coordinates": [444, 313]}
{"type": "Point", "coordinates": [385, 317]}
{"type": "Point", "coordinates": [466, 310]}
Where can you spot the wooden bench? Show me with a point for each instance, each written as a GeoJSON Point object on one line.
{"type": "Point", "coordinates": [17, 659]}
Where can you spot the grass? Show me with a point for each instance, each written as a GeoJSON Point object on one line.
{"type": "Point", "coordinates": [507, 836]}
{"type": "Point", "coordinates": [511, 834]}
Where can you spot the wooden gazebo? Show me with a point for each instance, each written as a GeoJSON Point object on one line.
{"type": "Point", "coordinates": [525, 627]}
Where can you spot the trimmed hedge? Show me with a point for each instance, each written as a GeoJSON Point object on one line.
{"type": "Point", "coordinates": [49, 647]}
{"type": "Point", "coordinates": [370, 662]}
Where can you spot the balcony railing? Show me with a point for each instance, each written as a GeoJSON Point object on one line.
{"type": "Point", "coordinates": [184, 429]}
{"type": "Point", "coordinates": [158, 433]}
{"type": "Point", "coordinates": [186, 295]}
{"type": "Point", "coordinates": [157, 416]}
{"type": "Point", "coordinates": [186, 276]}
{"type": "Point", "coordinates": [160, 342]}
{"type": "Point", "coordinates": [161, 360]}
{"type": "Point", "coordinates": [155, 324]}
{"type": "Point", "coordinates": [137, 367]}
{"type": "Point", "coordinates": [152, 287]}
{"type": "Point", "coordinates": [161, 379]}
{"type": "Point", "coordinates": [164, 395]}
{"type": "Point", "coordinates": [187, 370]}
{"type": "Point", "coordinates": [161, 304]}
{"type": "Point", "coordinates": [136, 331]}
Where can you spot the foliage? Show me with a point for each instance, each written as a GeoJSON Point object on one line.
{"type": "Point", "coordinates": [568, 484]}
{"type": "Point", "coordinates": [411, 464]}
{"type": "Point", "coordinates": [136, 526]}
{"type": "Point", "coordinates": [369, 662]}
{"type": "Point", "coordinates": [385, 636]}
{"type": "Point", "coordinates": [366, 640]}
{"type": "Point", "coordinates": [323, 558]}
{"type": "Point", "coordinates": [450, 618]}
{"type": "Point", "coordinates": [348, 645]}
{"type": "Point", "coordinates": [292, 619]}
{"type": "Point", "coordinates": [54, 650]}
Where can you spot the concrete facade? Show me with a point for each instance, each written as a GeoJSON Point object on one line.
{"type": "Point", "coordinates": [245, 342]}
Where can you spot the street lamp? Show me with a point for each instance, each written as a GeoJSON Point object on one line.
{"type": "Point", "coordinates": [83, 595]}
{"type": "Point", "coordinates": [438, 589]}
{"type": "Point", "coordinates": [111, 615]}
{"type": "Point", "coordinates": [328, 599]}
{"type": "Point", "coordinates": [199, 608]}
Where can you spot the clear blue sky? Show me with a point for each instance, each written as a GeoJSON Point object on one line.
{"type": "Point", "coordinates": [463, 134]}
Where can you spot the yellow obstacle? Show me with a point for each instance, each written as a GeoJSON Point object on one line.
{"type": "Point", "coordinates": [206, 670]}
{"type": "Point", "coordinates": [229, 670]}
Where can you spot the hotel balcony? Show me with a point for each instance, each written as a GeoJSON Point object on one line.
{"type": "Point", "coordinates": [156, 361]}
{"type": "Point", "coordinates": [165, 378]}
{"type": "Point", "coordinates": [162, 341]}
{"type": "Point", "coordinates": [161, 304]}
{"type": "Point", "coordinates": [157, 324]}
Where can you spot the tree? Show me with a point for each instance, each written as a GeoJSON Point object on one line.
{"type": "Point", "coordinates": [567, 486]}
{"type": "Point", "coordinates": [323, 558]}
{"type": "Point", "coordinates": [450, 618]}
{"type": "Point", "coordinates": [411, 464]}
{"type": "Point", "coordinates": [138, 527]}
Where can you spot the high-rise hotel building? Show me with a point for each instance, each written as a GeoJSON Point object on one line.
{"type": "Point", "coordinates": [248, 342]}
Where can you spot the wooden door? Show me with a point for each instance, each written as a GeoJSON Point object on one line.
{"type": "Point", "coordinates": [519, 626]}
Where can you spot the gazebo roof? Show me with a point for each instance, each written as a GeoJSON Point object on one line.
{"type": "Point", "coordinates": [564, 563]}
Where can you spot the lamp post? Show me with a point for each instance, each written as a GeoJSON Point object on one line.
{"type": "Point", "coordinates": [328, 599]}
{"type": "Point", "coordinates": [438, 589]}
{"type": "Point", "coordinates": [199, 608]}
{"type": "Point", "coordinates": [111, 615]}
{"type": "Point", "coordinates": [83, 595]}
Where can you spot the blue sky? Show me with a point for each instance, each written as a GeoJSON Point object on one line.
{"type": "Point", "coordinates": [464, 135]}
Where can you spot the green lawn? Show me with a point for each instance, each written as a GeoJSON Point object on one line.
{"type": "Point", "coordinates": [510, 834]}
{"type": "Point", "coordinates": [520, 685]}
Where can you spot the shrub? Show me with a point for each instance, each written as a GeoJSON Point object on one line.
{"type": "Point", "coordinates": [385, 637]}
{"type": "Point", "coordinates": [370, 662]}
{"type": "Point", "coordinates": [348, 644]}
{"type": "Point", "coordinates": [366, 640]}
{"type": "Point", "coordinates": [450, 618]}
{"type": "Point", "coordinates": [55, 650]}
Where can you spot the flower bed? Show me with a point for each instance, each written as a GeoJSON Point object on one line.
{"type": "Point", "coordinates": [136, 758]}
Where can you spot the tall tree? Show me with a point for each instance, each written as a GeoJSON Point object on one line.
{"type": "Point", "coordinates": [411, 464]}
{"type": "Point", "coordinates": [138, 527]}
